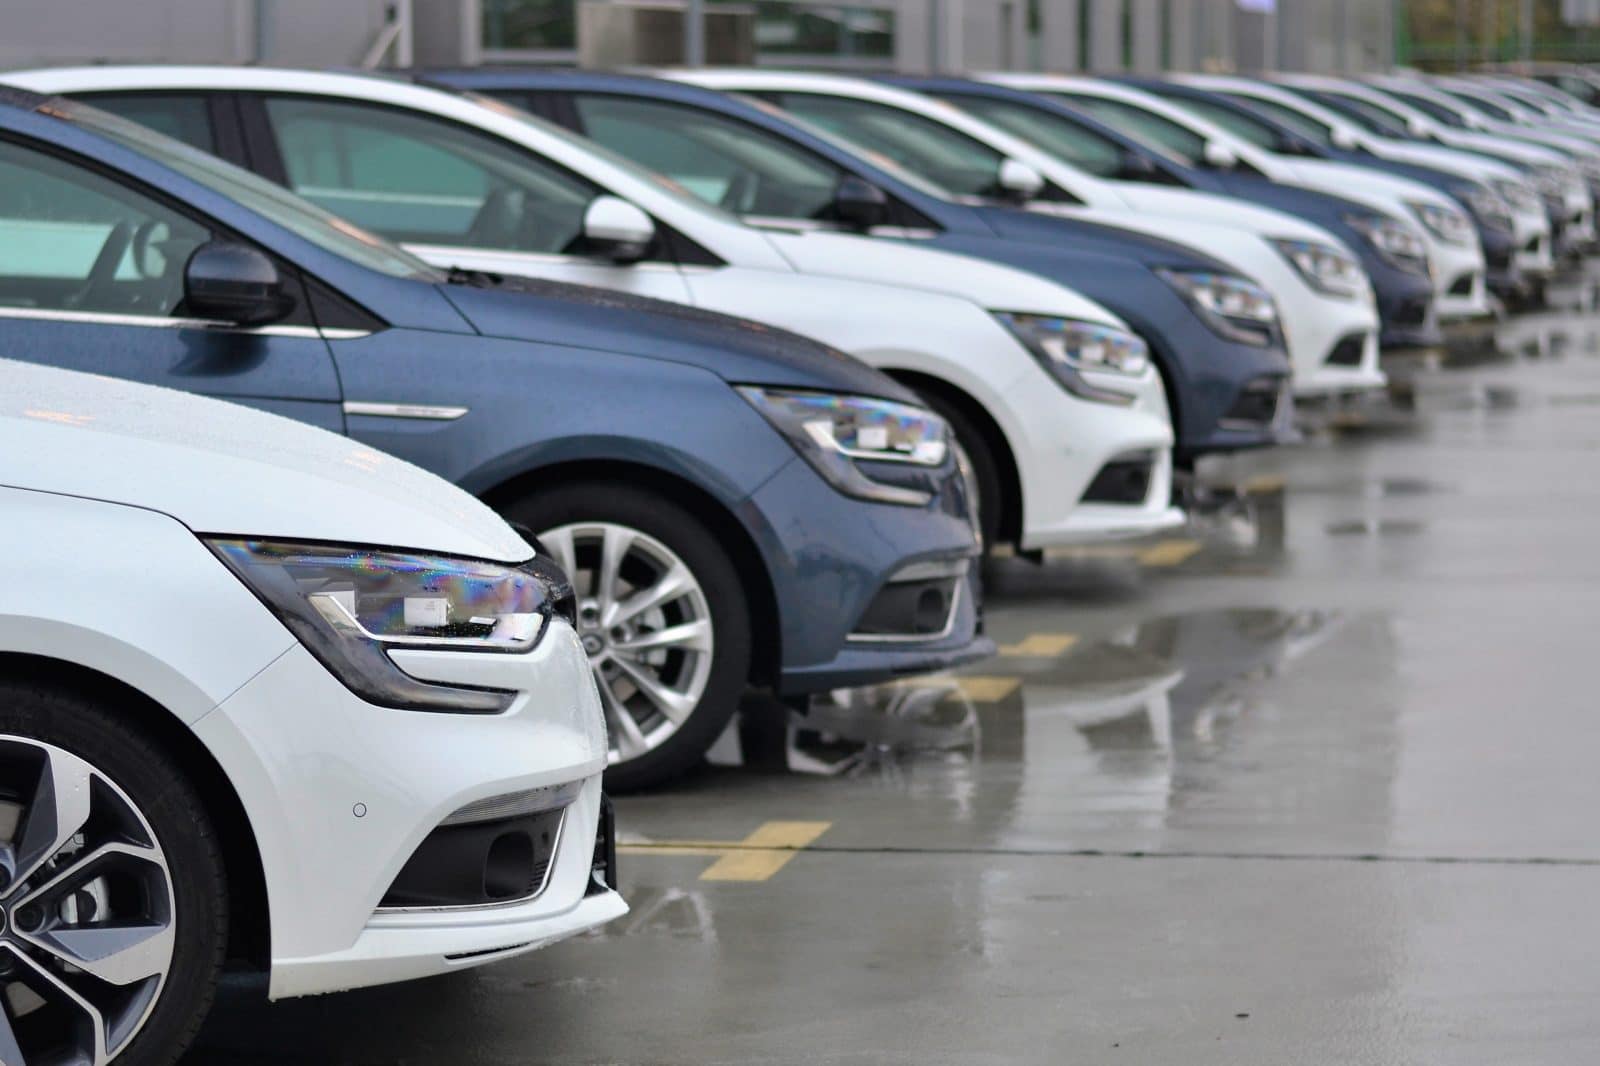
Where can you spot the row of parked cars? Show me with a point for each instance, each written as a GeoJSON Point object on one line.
{"type": "Point", "coordinates": [756, 365]}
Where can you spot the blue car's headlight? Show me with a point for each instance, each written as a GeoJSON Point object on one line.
{"type": "Point", "coordinates": [1396, 243]}
{"type": "Point", "coordinates": [1325, 268]}
{"type": "Point", "coordinates": [837, 434]}
{"type": "Point", "coordinates": [1066, 348]}
{"type": "Point", "coordinates": [1518, 195]}
{"type": "Point", "coordinates": [1450, 226]}
{"type": "Point", "coordinates": [350, 606]}
{"type": "Point", "coordinates": [1233, 307]}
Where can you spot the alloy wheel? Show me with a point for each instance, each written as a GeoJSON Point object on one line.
{"type": "Point", "coordinates": [87, 931]}
{"type": "Point", "coordinates": [646, 626]}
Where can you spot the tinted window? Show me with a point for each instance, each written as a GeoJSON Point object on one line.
{"type": "Point", "coordinates": [720, 160]}
{"type": "Point", "coordinates": [414, 178]}
{"type": "Point", "coordinates": [1056, 134]}
{"type": "Point", "coordinates": [1482, 106]}
{"type": "Point", "coordinates": [1432, 108]}
{"type": "Point", "coordinates": [1306, 126]}
{"type": "Point", "coordinates": [945, 156]}
{"type": "Point", "coordinates": [1368, 115]}
{"type": "Point", "coordinates": [1252, 130]}
{"type": "Point", "coordinates": [74, 240]}
{"type": "Point", "coordinates": [185, 118]}
{"type": "Point", "coordinates": [1143, 125]}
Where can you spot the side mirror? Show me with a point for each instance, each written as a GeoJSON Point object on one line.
{"type": "Point", "coordinates": [1418, 129]}
{"type": "Point", "coordinates": [1220, 157]}
{"type": "Point", "coordinates": [1344, 140]}
{"type": "Point", "coordinates": [617, 230]}
{"type": "Point", "coordinates": [234, 283]}
{"type": "Point", "coordinates": [1136, 166]}
{"type": "Point", "coordinates": [1020, 180]}
{"type": "Point", "coordinates": [860, 204]}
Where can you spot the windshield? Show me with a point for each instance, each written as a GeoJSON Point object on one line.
{"type": "Point", "coordinates": [276, 205]}
{"type": "Point", "coordinates": [1482, 106]}
{"type": "Point", "coordinates": [950, 158]}
{"type": "Point", "coordinates": [1312, 130]}
{"type": "Point", "coordinates": [1368, 116]}
{"type": "Point", "coordinates": [1253, 130]}
{"type": "Point", "coordinates": [1432, 108]}
{"type": "Point", "coordinates": [1060, 136]}
{"type": "Point", "coordinates": [1176, 140]}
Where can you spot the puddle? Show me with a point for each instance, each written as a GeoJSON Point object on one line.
{"type": "Point", "coordinates": [1374, 488]}
{"type": "Point", "coordinates": [1376, 527]}
{"type": "Point", "coordinates": [1146, 686]}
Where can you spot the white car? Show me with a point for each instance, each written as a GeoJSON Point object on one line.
{"type": "Point", "coordinates": [1555, 176]}
{"type": "Point", "coordinates": [232, 719]}
{"type": "Point", "coordinates": [986, 345]}
{"type": "Point", "coordinates": [1530, 225]}
{"type": "Point", "coordinates": [1452, 243]}
{"type": "Point", "coordinates": [1317, 315]}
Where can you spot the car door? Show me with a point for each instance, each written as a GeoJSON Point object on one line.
{"type": "Point", "coordinates": [454, 195]}
{"type": "Point", "coordinates": [91, 278]}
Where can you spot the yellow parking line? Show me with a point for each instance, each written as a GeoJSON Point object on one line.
{"type": "Point", "coordinates": [1168, 552]}
{"type": "Point", "coordinates": [755, 858]}
{"type": "Point", "coordinates": [1265, 485]}
{"type": "Point", "coordinates": [976, 689]}
{"type": "Point", "coordinates": [1039, 646]}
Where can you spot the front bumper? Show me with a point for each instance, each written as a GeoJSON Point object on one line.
{"type": "Point", "coordinates": [1460, 280]}
{"type": "Point", "coordinates": [829, 558]}
{"type": "Point", "coordinates": [1406, 312]}
{"type": "Point", "coordinates": [341, 793]}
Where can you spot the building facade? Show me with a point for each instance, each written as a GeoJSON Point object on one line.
{"type": "Point", "coordinates": [907, 35]}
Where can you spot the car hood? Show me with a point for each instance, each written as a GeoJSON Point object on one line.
{"type": "Point", "coordinates": [989, 285]}
{"type": "Point", "coordinates": [1368, 186]}
{"type": "Point", "coordinates": [1075, 236]}
{"type": "Point", "coordinates": [736, 349]}
{"type": "Point", "coordinates": [1455, 160]}
{"type": "Point", "coordinates": [221, 468]}
{"type": "Point", "coordinates": [1186, 205]}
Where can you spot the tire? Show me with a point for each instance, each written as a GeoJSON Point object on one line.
{"type": "Point", "coordinates": [178, 885]}
{"type": "Point", "coordinates": [984, 469]}
{"type": "Point", "coordinates": [701, 678]}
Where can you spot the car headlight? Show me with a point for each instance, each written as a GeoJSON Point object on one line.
{"type": "Point", "coordinates": [1325, 268]}
{"type": "Point", "coordinates": [1066, 348]}
{"type": "Point", "coordinates": [350, 606]}
{"type": "Point", "coordinates": [1396, 243]}
{"type": "Point", "coordinates": [838, 434]}
{"type": "Point", "coordinates": [1518, 195]}
{"type": "Point", "coordinates": [1550, 180]}
{"type": "Point", "coordinates": [1447, 224]}
{"type": "Point", "coordinates": [1237, 309]}
{"type": "Point", "coordinates": [1486, 205]}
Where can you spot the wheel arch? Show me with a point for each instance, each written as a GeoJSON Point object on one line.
{"type": "Point", "coordinates": [249, 925]}
{"type": "Point", "coordinates": [760, 596]}
{"type": "Point", "coordinates": [1011, 518]}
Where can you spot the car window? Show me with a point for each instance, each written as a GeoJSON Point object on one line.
{"type": "Point", "coordinates": [1180, 141]}
{"type": "Point", "coordinates": [415, 178]}
{"type": "Point", "coordinates": [183, 117]}
{"type": "Point", "coordinates": [1432, 108]}
{"type": "Point", "coordinates": [1056, 134]}
{"type": "Point", "coordinates": [1482, 106]}
{"type": "Point", "coordinates": [1303, 124]}
{"type": "Point", "coordinates": [72, 239]}
{"type": "Point", "coordinates": [720, 160]}
{"type": "Point", "coordinates": [1251, 130]}
{"type": "Point", "coordinates": [951, 159]}
{"type": "Point", "coordinates": [1369, 115]}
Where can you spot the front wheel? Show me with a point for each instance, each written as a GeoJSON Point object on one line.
{"type": "Point", "coordinates": [113, 900]}
{"type": "Point", "coordinates": [662, 616]}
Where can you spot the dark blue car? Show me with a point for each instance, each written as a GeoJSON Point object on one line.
{"type": "Point", "coordinates": [1405, 291]}
{"type": "Point", "coordinates": [1286, 133]}
{"type": "Point", "coordinates": [737, 506]}
{"type": "Point", "coordinates": [1226, 379]}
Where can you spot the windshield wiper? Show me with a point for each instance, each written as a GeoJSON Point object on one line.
{"type": "Point", "coordinates": [479, 279]}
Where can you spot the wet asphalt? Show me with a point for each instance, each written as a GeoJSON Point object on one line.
{"type": "Point", "coordinates": [1310, 781]}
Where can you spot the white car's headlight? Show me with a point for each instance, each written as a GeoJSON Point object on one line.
{"type": "Point", "coordinates": [1447, 224]}
{"type": "Point", "coordinates": [1397, 243]}
{"type": "Point", "coordinates": [1233, 307]}
{"type": "Point", "coordinates": [1551, 180]}
{"type": "Point", "coordinates": [350, 606]}
{"type": "Point", "coordinates": [1486, 205]}
{"type": "Point", "coordinates": [1066, 348]}
{"type": "Point", "coordinates": [1325, 268]}
{"type": "Point", "coordinates": [1518, 195]}
{"type": "Point", "coordinates": [837, 434]}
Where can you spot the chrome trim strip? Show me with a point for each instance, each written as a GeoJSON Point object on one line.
{"type": "Point", "coordinates": [423, 411]}
{"type": "Point", "coordinates": [915, 638]}
{"type": "Point", "coordinates": [105, 318]}
{"type": "Point", "coordinates": [471, 908]}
